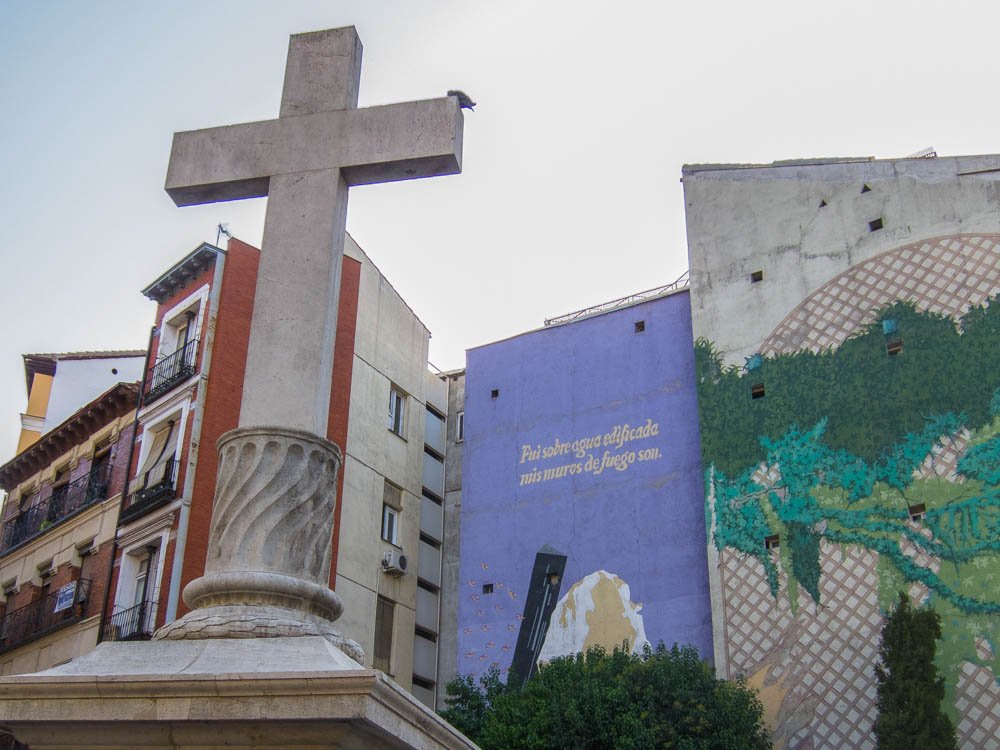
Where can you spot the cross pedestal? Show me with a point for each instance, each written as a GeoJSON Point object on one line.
{"type": "Point", "coordinates": [236, 694]}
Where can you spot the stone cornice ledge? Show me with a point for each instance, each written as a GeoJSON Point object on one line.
{"type": "Point", "coordinates": [313, 702]}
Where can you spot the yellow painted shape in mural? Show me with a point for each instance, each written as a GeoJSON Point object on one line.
{"type": "Point", "coordinates": [772, 697]}
{"type": "Point", "coordinates": [608, 624]}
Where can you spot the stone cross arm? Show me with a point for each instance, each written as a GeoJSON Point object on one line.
{"type": "Point", "coordinates": [375, 144]}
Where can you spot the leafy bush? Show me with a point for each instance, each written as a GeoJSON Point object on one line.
{"type": "Point", "coordinates": [661, 698]}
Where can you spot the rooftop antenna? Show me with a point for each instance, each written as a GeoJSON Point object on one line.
{"type": "Point", "coordinates": [222, 229]}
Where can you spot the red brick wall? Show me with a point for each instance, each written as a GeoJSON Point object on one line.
{"type": "Point", "coordinates": [340, 387]}
{"type": "Point", "coordinates": [222, 397]}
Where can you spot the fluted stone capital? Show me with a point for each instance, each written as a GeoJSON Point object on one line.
{"type": "Point", "coordinates": [270, 543]}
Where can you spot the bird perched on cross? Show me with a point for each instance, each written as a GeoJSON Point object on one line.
{"type": "Point", "coordinates": [464, 100]}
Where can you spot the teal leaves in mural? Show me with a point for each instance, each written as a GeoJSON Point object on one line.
{"type": "Point", "coordinates": [982, 461]}
{"type": "Point", "coordinates": [740, 521]}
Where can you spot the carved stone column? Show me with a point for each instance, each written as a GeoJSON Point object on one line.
{"type": "Point", "coordinates": [270, 544]}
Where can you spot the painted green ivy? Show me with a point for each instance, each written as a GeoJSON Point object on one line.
{"type": "Point", "coordinates": [830, 453]}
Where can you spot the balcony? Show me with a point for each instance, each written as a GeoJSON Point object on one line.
{"type": "Point", "coordinates": [64, 502]}
{"type": "Point", "coordinates": [150, 491]}
{"type": "Point", "coordinates": [50, 613]}
{"type": "Point", "coordinates": [170, 371]}
{"type": "Point", "coordinates": [132, 624]}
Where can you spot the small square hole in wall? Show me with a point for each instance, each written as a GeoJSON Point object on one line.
{"type": "Point", "coordinates": [893, 347]}
{"type": "Point", "coordinates": [495, 393]}
{"type": "Point", "coordinates": [756, 276]}
{"type": "Point", "coordinates": [875, 225]}
{"type": "Point", "coordinates": [772, 542]}
{"type": "Point", "coordinates": [757, 390]}
{"type": "Point", "coordinates": [917, 512]}
{"type": "Point", "coordinates": [487, 588]}
{"type": "Point", "coordinates": [865, 189]}
{"type": "Point", "coordinates": [46, 570]}
{"type": "Point", "coordinates": [640, 326]}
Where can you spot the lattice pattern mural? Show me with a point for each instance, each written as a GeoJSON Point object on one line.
{"type": "Point", "coordinates": [946, 275]}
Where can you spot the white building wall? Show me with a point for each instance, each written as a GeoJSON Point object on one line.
{"type": "Point", "coordinates": [80, 381]}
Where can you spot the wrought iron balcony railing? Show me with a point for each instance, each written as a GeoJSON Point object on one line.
{"type": "Point", "coordinates": [56, 610]}
{"type": "Point", "coordinates": [150, 490]}
{"type": "Point", "coordinates": [132, 624]}
{"type": "Point", "coordinates": [170, 371]}
{"type": "Point", "coordinates": [64, 502]}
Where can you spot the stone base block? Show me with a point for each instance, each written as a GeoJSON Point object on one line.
{"type": "Point", "coordinates": [299, 692]}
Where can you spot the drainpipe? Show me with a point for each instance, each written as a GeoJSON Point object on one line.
{"type": "Point", "coordinates": [180, 542]}
{"type": "Point", "coordinates": [125, 487]}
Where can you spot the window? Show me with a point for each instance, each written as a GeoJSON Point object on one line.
{"type": "Point", "coordinates": [61, 477]}
{"type": "Point", "coordinates": [158, 462]}
{"type": "Point", "coordinates": [177, 333]}
{"type": "Point", "coordinates": [141, 591]}
{"type": "Point", "coordinates": [382, 653]}
{"type": "Point", "coordinates": [45, 570]}
{"type": "Point", "coordinates": [100, 470]}
{"type": "Point", "coordinates": [392, 509]}
{"type": "Point", "coordinates": [917, 512]}
{"type": "Point", "coordinates": [397, 411]}
{"type": "Point", "coordinates": [60, 486]}
{"type": "Point", "coordinates": [29, 498]}
{"type": "Point", "coordinates": [757, 390]}
{"type": "Point", "coordinates": [135, 607]}
{"type": "Point", "coordinates": [102, 450]}
{"type": "Point", "coordinates": [460, 427]}
{"type": "Point", "coordinates": [640, 326]}
{"type": "Point", "coordinates": [487, 588]}
{"type": "Point", "coordinates": [85, 548]}
{"type": "Point", "coordinates": [390, 525]}
{"type": "Point", "coordinates": [756, 276]}
{"type": "Point", "coordinates": [772, 542]}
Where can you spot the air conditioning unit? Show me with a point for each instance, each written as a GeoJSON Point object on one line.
{"type": "Point", "coordinates": [394, 562]}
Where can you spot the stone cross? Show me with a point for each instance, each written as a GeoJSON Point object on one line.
{"type": "Point", "coordinates": [304, 162]}
{"type": "Point", "coordinates": [270, 543]}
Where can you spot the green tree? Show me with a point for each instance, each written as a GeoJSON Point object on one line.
{"type": "Point", "coordinates": [909, 687]}
{"type": "Point", "coordinates": [469, 704]}
{"type": "Point", "coordinates": [661, 698]}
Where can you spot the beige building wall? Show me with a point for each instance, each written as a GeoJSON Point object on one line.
{"type": "Point", "coordinates": [390, 352]}
{"type": "Point", "coordinates": [448, 627]}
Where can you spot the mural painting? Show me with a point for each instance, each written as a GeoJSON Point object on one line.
{"type": "Point", "coordinates": [582, 519]}
{"type": "Point", "coordinates": [848, 461]}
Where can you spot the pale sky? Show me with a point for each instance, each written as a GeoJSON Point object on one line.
{"type": "Point", "coordinates": [570, 194]}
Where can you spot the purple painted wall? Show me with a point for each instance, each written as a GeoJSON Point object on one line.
{"type": "Point", "coordinates": [555, 458]}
